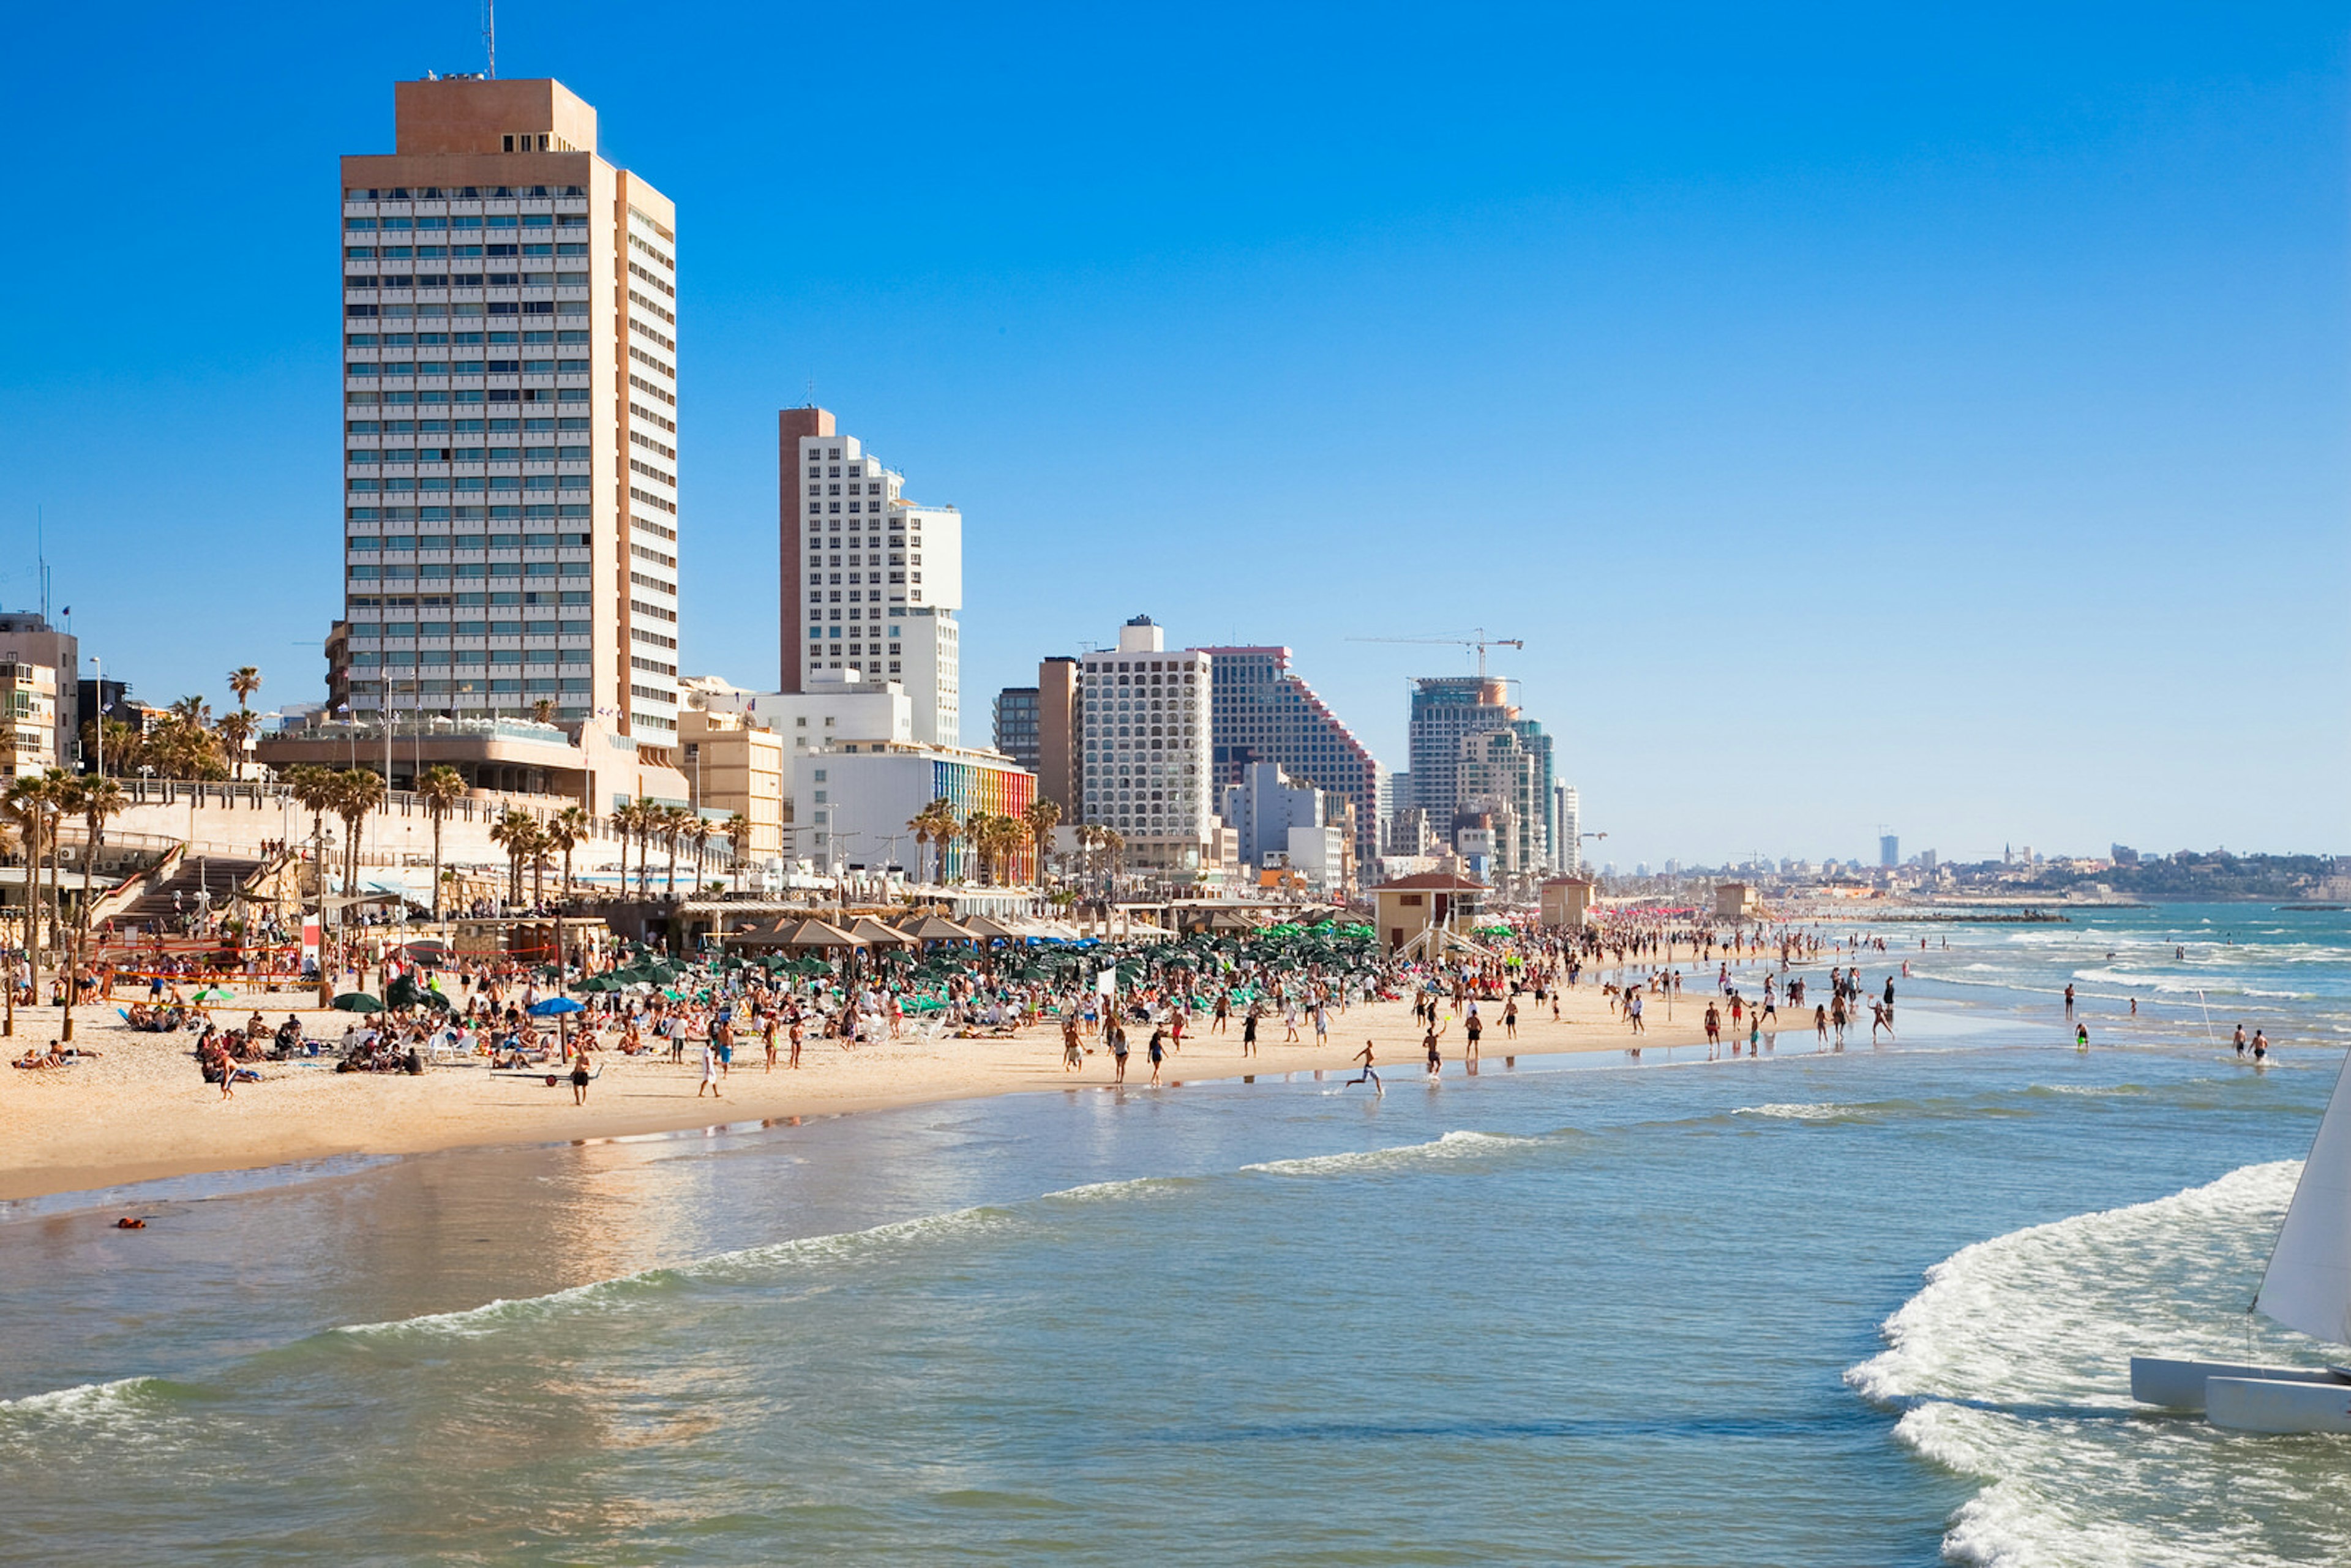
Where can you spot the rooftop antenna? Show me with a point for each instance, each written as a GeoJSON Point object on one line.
{"type": "Point", "coordinates": [41, 555]}
{"type": "Point", "coordinates": [490, 37]}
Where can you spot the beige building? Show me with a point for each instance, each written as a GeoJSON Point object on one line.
{"type": "Point", "coordinates": [735, 766]}
{"type": "Point", "coordinates": [1566, 902]}
{"type": "Point", "coordinates": [28, 638]}
{"type": "Point", "coordinates": [509, 407]}
{"type": "Point", "coordinates": [1428, 915]}
{"type": "Point", "coordinates": [28, 693]}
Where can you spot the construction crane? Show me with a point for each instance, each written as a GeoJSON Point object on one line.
{"type": "Point", "coordinates": [1480, 642]}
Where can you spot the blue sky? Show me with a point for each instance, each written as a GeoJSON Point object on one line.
{"type": "Point", "coordinates": [1932, 417]}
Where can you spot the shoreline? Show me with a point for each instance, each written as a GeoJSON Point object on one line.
{"type": "Point", "coordinates": [138, 1112]}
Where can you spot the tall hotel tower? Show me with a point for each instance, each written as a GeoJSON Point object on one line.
{"type": "Point", "coordinates": [871, 581]}
{"type": "Point", "coordinates": [510, 418]}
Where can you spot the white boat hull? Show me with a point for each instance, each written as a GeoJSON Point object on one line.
{"type": "Point", "coordinates": [2277, 1404]}
{"type": "Point", "coordinates": [2180, 1384]}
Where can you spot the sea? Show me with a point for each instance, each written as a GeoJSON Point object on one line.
{"type": "Point", "coordinates": [1869, 1307]}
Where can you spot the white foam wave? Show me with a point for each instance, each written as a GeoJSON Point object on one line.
{"type": "Point", "coordinates": [724, 1267]}
{"type": "Point", "coordinates": [81, 1399]}
{"type": "Point", "coordinates": [1453, 1145]}
{"type": "Point", "coordinates": [1822, 1111]}
{"type": "Point", "coordinates": [2012, 1366]}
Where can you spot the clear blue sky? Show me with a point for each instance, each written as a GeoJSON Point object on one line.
{"type": "Point", "coordinates": [1927, 416]}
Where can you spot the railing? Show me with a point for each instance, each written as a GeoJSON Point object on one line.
{"type": "Point", "coordinates": [481, 806]}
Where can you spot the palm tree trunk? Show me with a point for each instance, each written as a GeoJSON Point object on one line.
{"type": "Point", "coordinates": [436, 868]}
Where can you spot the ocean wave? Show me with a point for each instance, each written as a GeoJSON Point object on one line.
{"type": "Point", "coordinates": [1455, 1145]}
{"type": "Point", "coordinates": [2010, 1365]}
{"type": "Point", "coordinates": [1822, 1111]}
{"type": "Point", "coordinates": [136, 1413]}
{"type": "Point", "coordinates": [745, 1265]}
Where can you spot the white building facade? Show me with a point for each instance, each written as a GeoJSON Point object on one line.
{"type": "Point", "coordinates": [876, 578]}
{"type": "Point", "coordinates": [1146, 713]}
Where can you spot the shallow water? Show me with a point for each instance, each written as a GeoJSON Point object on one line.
{"type": "Point", "coordinates": [1578, 1310]}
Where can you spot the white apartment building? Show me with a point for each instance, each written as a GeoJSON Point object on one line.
{"type": "Point", "coordinates": [1147, 749]}
{"type": "Point", "coordinates": [1568, 853]}
{"type": "Point", "coordinates": [839, 707]}
{"type": "Point", "coordinates": [510, 417]}
{"type": "Point", "coordinates": [871, 581]}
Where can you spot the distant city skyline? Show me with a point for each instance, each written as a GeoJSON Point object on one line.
{"type": "Point", "coordinates": [1936, 424]}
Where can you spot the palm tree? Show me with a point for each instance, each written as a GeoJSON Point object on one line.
{"type": "Point", "coordinates": [539, 842]}
{"type": "Point", "coordinates": [243, 682]}
{"type": "Point", "coordinates": [671, 825]}
{"type": "Point", "coordinates": [698, 833]}
{"type": "Point", "coordinates": [27, 804]}
{"type": "Point", "coordinates": [357, 792]}
{"type": "Point", "coordinates": [738, 839]}
{"type": "Point", "coordinates": [1042, 817]}
{"type": "Point", "coordinates": [648, 823]}
{"type": "Point", "coordinates": [441, 789]}
{"type": "Point", "coordinates": [566, 831]}
{"type": "Point", "coordinates": [543, 710]}
{"type": "Point", "coordinates": [98, 800]}
{"type": "Point", "coordinates": [624, 822]}
{"type": "Point", "coordinates": [515, 833]}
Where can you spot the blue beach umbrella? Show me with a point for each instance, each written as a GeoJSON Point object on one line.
{"type": "Point", "coordinates": [554, 1005]}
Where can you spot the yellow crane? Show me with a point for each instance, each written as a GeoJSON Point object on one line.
{"type": "Point", "coordinates": [1480, 641]}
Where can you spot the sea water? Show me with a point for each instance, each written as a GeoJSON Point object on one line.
{"type": "Point", "coordinates": [1869, 1307]}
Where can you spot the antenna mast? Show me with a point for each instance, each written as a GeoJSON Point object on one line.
{"type": "Point", "coordinates": [490, 36]}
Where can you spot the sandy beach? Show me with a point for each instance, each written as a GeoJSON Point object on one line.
{"type": "Point", "coordinates": [141, 1111]}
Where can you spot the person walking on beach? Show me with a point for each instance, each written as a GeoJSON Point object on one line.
{"type": "Point", "coordinates": [799, 1034]}
{"type": "Point", "coordinates": [1364, 1056]}
{"type": "Point", "coordinates": [2241, 1041]}
{"type": "Point", "coordinates": [2069, 999]}
{"type": "Point", "coordinates": [1633, 1011]}
{"type": "Point", "coordinates": [1713, 1031]}
{"type": "Point", "coordinates": [1473, 1030]}
{"type": "Point", "coordinates": [709, 1072]}
{"type": "Point", "coordinates": [1820, 1023]}
{"type": "Point", "coordinates": [770, 1031]}
{"type": "Point", "coordinates": [1428, 1044]}
{"type": "Point", "coordinates": [2261, 1047]}
{"type": "Point", "coordinates": [579, 1079]}
{"type": "Point", "coordinates": [1510, 1019]}
{"type": "Point", "coordinates": [1889, 1001]}
{"type": "Point", "coordinates": [1248, 1031]}
{"type": "Point", "coordinates": [1224, 1011]}
{"type": "Point", "coordinates": [1073, 1054]}
{"type": "Point", "coordinates": [1158, 1051]}
{"type": "Point", "coordinates": [1116, 1034]}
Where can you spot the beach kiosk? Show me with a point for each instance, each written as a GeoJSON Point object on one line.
{"type": "Point", "coordinates": [1424, 916]}
{"type": "Point", "coordinates": [1737, 901]}
{"type": "Point", "coordinates": [1565, 901]}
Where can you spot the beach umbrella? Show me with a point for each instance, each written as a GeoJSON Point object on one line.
{"type": "Point", "coordinates": [214, 994]}
{"type": "Point", "coordinates": [552, 1006]}
{"type": "Point", "coordinates": [357, 1002]}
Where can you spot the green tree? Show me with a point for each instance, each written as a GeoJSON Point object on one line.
{"type": "Point", "coordinates": [439, 788]}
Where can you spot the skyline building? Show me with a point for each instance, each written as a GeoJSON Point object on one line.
{"type": "Point", "coordinates": [1061, 734]}
{"type": "Point", "coordinates": [871, 581]}
{"type": "Point", "coordinates": [509, 406]}
{"type": "Point", "coordinates": [1017, 725]}
{"type": "Point", "coordinates": [1567, 852]}
{"type": "Point", "coordinates": [1146, 726]}
{"type": "Point", "coordinates": [1263, 711]}
{"type": "Point", "coordinates": [1445, 708]}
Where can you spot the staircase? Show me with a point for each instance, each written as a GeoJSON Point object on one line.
{"type": "Point", "coordinates": [220, 875]}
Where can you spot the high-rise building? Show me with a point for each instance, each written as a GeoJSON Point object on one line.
{"type": "Point", "coordinates": [1889, 851]}
{"type": "Point", "coordinates": [1537, 745]}
{"type": "Point", "coordinates": [1263, 711]}
{"type": "Point", "coordinates": [871, 581]}
{"type": "Point", "coordinates": [509, 407]}
{"type": "Point", "coordinates": [1445, 708]}
{"type": "Point", "coordinates": [1499, 780]}
{"type": "Point", "coordinates": [1569, 854]}
{"type": "Point", "coordinates": [1146, 771]}
{"type": "Point", "coordinates": [1017, 725]}
{"type": "Point", "coordinates": [1060, 735]}
{"type": "Point", "coordinates": [28, 638]}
